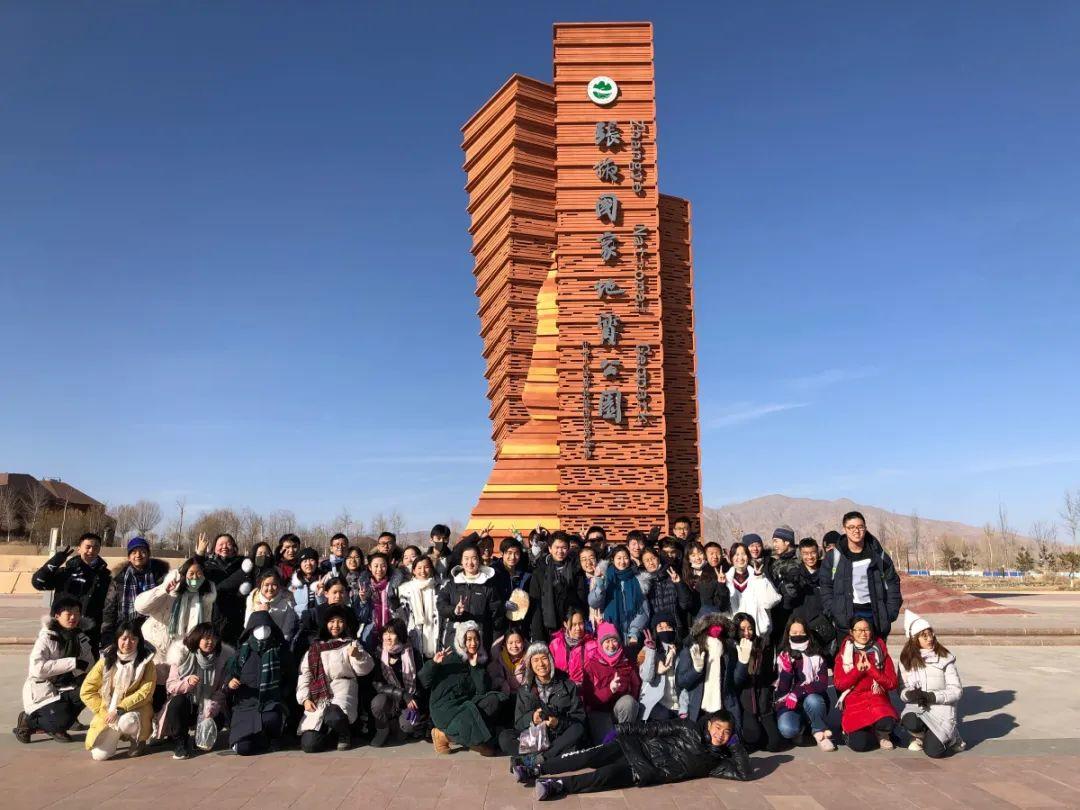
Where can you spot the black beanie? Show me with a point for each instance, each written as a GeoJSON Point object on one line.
{"type": "Point", "coordinates": [786, 535]}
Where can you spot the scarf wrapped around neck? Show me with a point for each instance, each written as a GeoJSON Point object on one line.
{"type": "Point", "coordinates": [380, 592]}
{"type": "Point", "coordinates": [118, 680]}
{"type": "Point", "coordinates": [269, 668]}
{"type": "Point", "coordinates": [178, 624]}
{"type": "Point", "coordinates": [135, 582]}
{"type": "Point", "coordinates": [874, 654]}
{"type": "Point", "coordinates": [513, 666]}
{"type": "Point", "coordinates": [319, 688]}
{"type": "Point", "coordinates": [408, 667]}
{"type": "Point", "coordinates": [624, 597]}
{"type": "Point", "coordinates": [201, 664]}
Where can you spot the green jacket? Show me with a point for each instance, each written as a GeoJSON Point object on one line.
{"type": "Point", "coordinates": [455, 689]}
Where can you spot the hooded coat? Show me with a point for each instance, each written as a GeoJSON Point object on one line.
{"type": "Point", "coordinates": [421, 612]}
{"type": "Point", "coordinates": [342, 669]}
{"type": "Point", "coordinates": [455, 687]}
{"type": "Point", "coordinates": [864, 696]}
{"type": "Point", "coordinates": [596, 691]}
{"type": "Point", "coordinates": [835, 582]}
{"type": "Point", "coordinates": [50, 672]}
{"type": "Point", "coordinates": [731, 673]}
{"type": "Point", "coordinates": [248, 703]}
{"type": "Point", "coordinates": [280, 610]}
{"type": "Point", "coordinates": [157, 606]}
{"type": "Point", "coordinates": [114, 599]}
{"type": "Point", "coordinates": [562, 699]}
{"type": "Point", "coordinates": [481, 602]}
{"type": "Point", "coordinates": [504, 680]}
{"type": "Point", "coordinates": [939, 676]}
{"type": "Point", "coordinates": [139, 697]}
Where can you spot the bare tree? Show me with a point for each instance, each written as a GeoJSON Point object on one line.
{"type": "Point", "coordinates": [396, 522]}
{"type": "Point", "coordinates": [1045, 536]}
{"type": "Point", "coordinates": [1007, 532]}
{"type": "Point", "coordinates": [147, 515]}
{"type": "Point", "coordinates": [280, 522]}
{"type": "Point", "coordinates": [181, 507]}
{"type": "Point", "coordinates": [125, 520]}
{"type": "Point", "coordinates": [34, 504]}
{"type": "Point", "coordinates": [9, 510]}
{"type": "Point", "coordinates": [343, 523]}
{"type": "Point", "coordinates": [916, 536]}
{"type": "Point", "coordinates": [988, 535]}
{"type": "Point", "coordinates": [1071, 514]}
{"type": "Point", "coordinates": [252, 528]}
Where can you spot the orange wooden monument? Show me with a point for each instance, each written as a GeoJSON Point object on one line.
{"type": "Point", "coordinates": [584, 278]}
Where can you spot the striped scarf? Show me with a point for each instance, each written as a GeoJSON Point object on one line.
{"type": "Point", "coordinates": [319, 688]}
{"type": "Point", "coordinates": [134, 584]}
{"type": "Point", "coordinates": [269, 668]}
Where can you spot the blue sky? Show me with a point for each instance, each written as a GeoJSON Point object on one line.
{"type": "Point", "coordinates": [234, 261]}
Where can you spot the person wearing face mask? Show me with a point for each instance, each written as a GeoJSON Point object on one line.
{"type": "Point", "coordinates": [546, 697]}
{"type": "Point", "coordinates": [709, 668]}
{"type": "Point", "coordinates": [750, 591]}
{"type": "Point", "coordinates": [119, 690]}
{"type": "Point", "coordinates": [256, 676]}
{"type": "Point", "coordinates": [462, 701]}
{"type": "Point", "coordinates": [196, 689]}
{"type": "Point", "coordinates": [660, 698]}
{"type": "Point", "coordinates": [666, 592]}
{"type": "Point", "coordinates": [172, 609]}
{"type": "Point", "coordinates": [802, 686]}
{"type": "Point", "coordinates": [931, 689]}
{"type": "Point", "coordinates": [230, 573]}
{"type": "Point", "coordinates": [864, 675]}
{"type": "Point", "coordinates": [557, 584]}
{"type": "Point", "coordinates": [611, 685]}
{"type": "Point", "coordinates": [327, 688]}
{"type": "Point", "coordinates": [84, 576]}
{"type": "Point", "coordinates": [58, 662]}
{"type": "Point", "coordinates": [758, 730]}
{"type": "Point", "coordinates": [418, 602]}
{"type": "Point", "coordinates": [260, 560]}
{"type": "Point", "coordinates": [619, 589]}
{"type": "Point", "coordinates": [645, 753]}
{"type": "Point", "coordinates": [470, 596]}
{"type": "Point", "coordinates": [572, 645]}
{"type": "Point", "coordinates": [139, 573]}
{"type": "Point", "coordinates": [271, 595]}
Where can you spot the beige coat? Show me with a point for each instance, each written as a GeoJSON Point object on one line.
{"type": "Point", "coordinates": [342, 669]}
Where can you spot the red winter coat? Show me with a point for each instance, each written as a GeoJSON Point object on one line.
{"type": "Point", "coordinates": [596, 691]}
{"type": "Point", "coordinates": [862, 705]}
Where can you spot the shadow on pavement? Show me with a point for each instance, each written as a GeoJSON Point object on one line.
{"type": "Point", "coordinates": [763, 766]}
{"type": "Point", "coordinates": [997, 725]}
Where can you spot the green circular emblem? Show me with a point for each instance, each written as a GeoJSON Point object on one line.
{"type": "Point", "coordinates": [602, 90]}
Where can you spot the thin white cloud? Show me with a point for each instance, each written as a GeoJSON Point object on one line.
{"type": "Point", "coordinates": [740, 412]}
{"type": "Point", "coordinates": [827, 378]}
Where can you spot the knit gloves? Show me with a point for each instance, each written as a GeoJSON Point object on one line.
{"type": "Point", "coordinates": [697, 657]}
{"type": "Point", "coordinates": [746, 646]}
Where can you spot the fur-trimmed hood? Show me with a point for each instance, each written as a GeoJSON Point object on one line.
{"type": "Point", "coordinates": [537, 648]}
{"type": "Point", "coordinates": [707, 620]}
{"type": "Point", "coordinates": [85, 625]}
{"type": "Point", "coordinates": [460, 629]}
{"type": "Point", "coordinates": [483, 575]}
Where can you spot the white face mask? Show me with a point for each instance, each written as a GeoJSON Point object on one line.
{"type": "Point", "coordinates": [261, 633]}
{"type": "Point", "coordinates": [799, 646]}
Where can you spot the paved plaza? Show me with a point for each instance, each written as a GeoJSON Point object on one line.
{"type": "Point", "coordinates": [1021, 713]}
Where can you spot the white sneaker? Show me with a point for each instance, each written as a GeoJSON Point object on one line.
{"type": "Point", "coordinates": [885, 744]}
{"type": "Point", "coordinates": [915, 744]}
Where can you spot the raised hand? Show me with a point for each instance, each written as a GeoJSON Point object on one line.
{"type": "Point", "coordinates": [459, 609]}
{"type": "Point", "coordinates": [674, 576]}
{"type": "Point", "coordinates": [202, 544]}
{"type": "Point", "coordinates": [440, 656]}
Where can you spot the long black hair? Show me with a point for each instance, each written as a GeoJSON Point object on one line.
{"type": "Point", "coordinates": [814, 648]}
{"type": "Point", "coordinates": [133, 627]}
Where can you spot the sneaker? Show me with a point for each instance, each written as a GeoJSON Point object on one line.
{"type": "Point", "coordinates": [22, 730]}
{"type": "Point", "coordinates": [957, 746]}
{"type": "Point", "coordinates": [77, 726]}
{"type": "Point", "coordinates": [916, 743]}
{"type": "Point", "coordinates": [547, 789]}
{"type": "Point", "coordinates": [136, 749]}
{"type": "Point", "coordinates": [885, 744]}
{"type": "Point", "coordinates": [440, 741]}
{"type": "Point", "coordinates": [344, 741]}
{"type": "Point", "coordinates": [182, 750]}
{"type": "Point", "coordinates": [62, 737]}
{"type": "Point", "coordinates": [382, 734]}
{"type": "Point", "coordinates": [823, 742]}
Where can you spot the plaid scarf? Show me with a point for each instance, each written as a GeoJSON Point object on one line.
{"type": "Point", "coordinates": [319, 688]}
{"type": "Point", "coordinates": [134, 584]}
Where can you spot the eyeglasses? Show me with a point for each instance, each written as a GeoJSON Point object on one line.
{"type": "Point", "coordinates": [855, 529]}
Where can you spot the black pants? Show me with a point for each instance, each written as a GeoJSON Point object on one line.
{"type": "Point", "coordinates": [570, 734]}
{"type": "Point", "coordinates": [179, 717]}
{"type": "Point", "coordinates": [661, 712]}
{"type": "Point", "coordinates": [335, 725]}
{"type": "Point", "coordinates": [273, 727]}
{"type": "Point", "coordinates": [58, 716]}
{"type": "Point", "coordinates": [866, 739]}
{"type": "Point", "coordinates": [761, 733]}
{"type": "Point", "coordinates": [932, 746]}
{"type": "Point", "coordinates": [612, 771]}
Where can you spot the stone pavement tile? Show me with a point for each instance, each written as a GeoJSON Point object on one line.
{"type": "Point", "coordinates": [740, 795]}
{"type": "Point", "coordinates": [795, 802]}
{"type": "Point", "coordinates": [1019, 795]}
{"type": "Point", "coordinates": [1054, 784]}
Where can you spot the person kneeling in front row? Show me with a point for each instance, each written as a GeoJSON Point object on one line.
{"type": "Point", "coordinates": [931, 690]}
{"type": "Point", "coordinates": [647, 753]}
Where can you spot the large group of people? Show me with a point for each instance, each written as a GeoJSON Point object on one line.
{"type": "Point", "coordinates": [655, 659]}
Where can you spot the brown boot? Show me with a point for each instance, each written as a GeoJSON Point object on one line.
{"type": "Point", "coordinates": [22, 730]}
{"type": "Point", "coordinates": [440, 741]}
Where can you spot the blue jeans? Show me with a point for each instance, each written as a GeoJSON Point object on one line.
{"type": "Point", "coordinates": [813, 707]}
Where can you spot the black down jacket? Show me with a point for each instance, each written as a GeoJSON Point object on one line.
{"type": "Point", "coordinates": [660, 751]}
{"type": "Point", "coordinates": [563, 703]}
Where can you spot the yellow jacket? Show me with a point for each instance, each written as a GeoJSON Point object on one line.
{"type": "Point", "coordinates": [139, 698]}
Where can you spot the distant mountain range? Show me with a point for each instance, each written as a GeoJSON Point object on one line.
{"type": "Point", "coordinates": [812, 518]}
